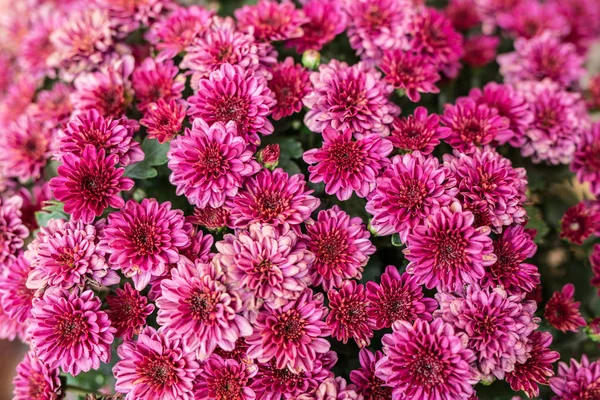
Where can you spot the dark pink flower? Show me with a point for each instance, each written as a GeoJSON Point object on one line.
{"type": "Point", "coordinates": [269, 156]}
{"type": "Point", "coordinates": [163, 121]}
{"type": "Point", "coordinates": [11, 328]}
{"type": "Point", "coordinates": [209, 163]}
{"type": "Point", "coordinates": [367, 384]}
{"type": "Point", "coordinates": [153, 81]}
{"type": "Point", "coordinates": [427, 360]}
{"type": "Point", "coordinates": [155, 366]}
{"type": "Point", "coordinates": [594, 92]}
{"type": "Point", "coordinates": [53, 105]}
{"type": "Point", "coordinates": [12, 230]}
{"type": "Point", "coordinates": [348, 316]}
{"type": "Point", "coordinates": [348, 166]}
{"type": "Point", "coordinates": [531, 18]}
{"type": "Point", "coordinates": [90, 183]}
{"type": "Point", "coordinates": [228, 379]}
{"type": "Point", "coordinates": [15, 297]}
{"type": "Point", "coordinates": [69, 331]}
{"type": "Point", "coordinates": [127, 311]}
{"type": "Point", "coordinates": [332, 388]}
{"type": "Point", "coordinates": [270, 20]}
{"type": "Point", "coordinates": [576, 380]}
{"type": "Point", "coordinates": [480, 50]}
{"type": "Point", "coordinates": [580, 16]}
{"type": "Point", "coordinates": [562, 311]}
{"type": "Point", "coordinates": [412, 74]}
{"type": "Point", "coordinates": [595, 263]}
{"type": "Point", "coordinates": [127, 16]}
{"type": "Point", "coordinates": [326, 20]}
{"type": "Point", "coordinates": [580, 221]}
{"type": "Point", "coordinates": [420, 131]}
{"type": "Point", "coordinates": [289, 83]}
{"type": "Point", "coordinates": [462, 14]}
{"type": "Point", "coordinates": [211, 218]}
{"type": "Point", "coordinates": [36, 381]}
{"type": "Point", "coordinates": [33, 201]}
{"type": "Point", "coordinates": [586, 160]}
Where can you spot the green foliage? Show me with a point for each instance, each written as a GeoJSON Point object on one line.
{"type": "Point", "coordinates": [51, 210]}
{"type": "Point", "coordinates": [155, 154]}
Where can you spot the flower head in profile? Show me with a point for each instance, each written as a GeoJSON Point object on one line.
{"type": "Point", "coordinates": [15, 297]}
{"type": "Point", "coordinates": [562, 311]}
{"type": "Point", "coordinates": [420, 131]}
{"type": "Point", "coordinates": [334, 388]}
{"type": "Point", "coordinates": [366, 382]}
{"type": "Point", "coordinates": [12, 230]}
{"type": "Point", "coordinates": [348, 166]}
{"type": "Point", "coordinates": [576, 379]}
{"type": "Point", "coordinates": [270, 20]}
{"type": "Point", "coordinates": [531, 18]}
{"type": "Point", "coordinates": [127, 311]}
{"type": "Point", "coordinates": [153, 81]}
{"type": "Point", "coordinates": [225, 379]}
{"type": "Point", "coordinates": [211, 218]}
{"type": "Point", "coordinates": [586, 160]}
{"type": "Point", "coordinates": [36, 381]}
{"type": "Point", "coordinates": [163, 121]}
{"type": "Point", "coordinates": [412, 74]}
{"type": "Point", "coordinates": [289, 83]}
{"type": "Point", "coordinates": [326, 20]}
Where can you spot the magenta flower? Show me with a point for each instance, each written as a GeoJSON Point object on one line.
{"type": "Point", "coordinates": [426, 359]}
{"type": "Point", "coordinates": [462, 14]}
{"type": "Point", "coordinates": [341, 247]}
{"type": "Point", "coordinates": [153, 81]}
{"type": "Point", "coordinates": [367, 384]}
{"type": "Point", "coordinates": [580, 221]}
{"type": "Point", "coordinates": [53, 105]}
{"type": "Point", "coordinates": [270, 20]}
{"type": "Point", "coordinates": [576, 380]}
{"type": "Point", "coordinates": [11, 329]}
{"type": "Point", "coordinates": [480, 50]}
{"type": "Point", "coordinates": [326, 20]}
{"type": "Point", "coordinates": [221, 379]}
{"type": "Point", "coordinates": [420, 131]}
{"type": "Point", "coordinates": [410, 73]}
{"type": "Point", "coordinates": [15, 297]}
{"type": "Point", "coordinates": [349, 97]}
{"type": "Point", "coordinates": [268, 156]}
{"type": "Point", "coordinates": [91, 128]}
{"type": "Point", "coordinates": [144, 238]}
{"type": "Point", "coordinates": [348, 166]}
{"type": "Point", "coordinates": [12, 230]}
{"type": "Point", "coordinates": [411, 189]}
{"type": "Point", "coordinates": [154, 366]}
{"type": "Point", "coordinates": [562, 311]}
{"type": "Point", "coordinates": [293, 334]}
{"type": "Point", "coordinates": [90, 183]}
{"type": "Point", "coordinates": [586, 160]}
{"type": "Point", "coordinates": [595, 263]}
{"type": "Point", "coordinates": [69, 331]}
{"type": "Point", "coordinates": [33, 201]}
{"type": "Point", "coordinates": [127, 311]}
{"type": "Point", "coordinates": [332, 388]}
{"type": "Point", "coordinates": [36, 381]}
{"type": "Point", "coordinates": [272, 197]}
{"type": "Point", "coordinates": [163, 120]}
{"type": "Point", "coordinates": [397, 298]}
{"type": "Point", "coordinates": [290, 84]}
{"type": "Point", "coordinates": [211, 218]}
{"type": "Point", "coordinates": [234, 94]}
{"type": "Point", "coordinates": [530, 19]}
{"type": "Point", "coordinates": [544, 56]}
{"type": "Point", "coordinates": [209, 163]}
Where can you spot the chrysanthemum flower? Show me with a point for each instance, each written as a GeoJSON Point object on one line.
{"type": "Point", "coordinates": [270, 20]}
{"type": "Point", "coordinates": [348, 166]}
{"type": "Point", "coordinates": [234, 94]}
{"type": "Point", "coordinates": [447, 251]}
{"type": "Point", "coordinates": [531, 18]}
{"type": "Point", "coordinates": [332, 388]}
{"type": "Point", "coordinates": [462, 14]}
{"type": "Point", "coordinates": [238, 353]}
{"type": "Point", "coordinates": [25, 148]}
{"type": "Point", "coordinates": [576, 380]}
{"type": "Point", "coordinates": [580, 221]}
{"type": "Point", "coordinates": [594, 92]}
{"type": "Point", "coordinates": [496, 324]}
{"type": "Point", "coordinates": [127, 16]}
{"type": "Point", "coordinates": [15, 297]}
{"type": "Point", "coordinates": [289, 83]}
{"type": "Point", "coordinates": [486, 178]}
{"type": "Point", "coordinates": [35, 381]}
{"type": "Point", "coordinates": [143, 238]}
{"type": "Point", "coordinates": [272, 197]}
{"type": "Point", "coordinates": [480, 50]}
{"type": "Point", "coordinates": [341, 247]}
{"type": "Point", "coordinates": [11, 329]}
{"type": "Point", "coordinates": [153, 80]}
{"type": "Point", "coordinates": [595, 263]}
{"type": "Point", "coordinates": [420, 131]}
{"type": "Point", "coordinates": [90, 183]}
{"type": "Point", "coordinates": [272, 262]}
{"type": "Point", "coordinates": [293, 334]}
{"type": "Point", "coordinates": [91, 128]}
{"type": "Point", "coordinates": [562, 311]}
{"type": "Point", "coordinates": [411, 73]}
{"type": "Point", "coordinates": [397, 298]}
{"type": "Point", "coordinates": [211, 218]}
{"type": "Point", "coordinates": [348, 316]}
{"type": "Point", "coordinates": [221, 379]}
{"type": "Point", "coordinates": [127, 311]}
{"type": "Point", "coordinates": [367, 384]}
{"type": "Point", "coordinates": [155, 366]}
{"type": "Point", "coordinates": [197, 306]}
{"type": "Point", "coordinates": [468, 125]}
{"type": "Point", "coordinates": [544, 56]}
{"type": "Point", "coordinates": [268, 156]}
{"type": "Point", "coordinates": [538, 367]}
{"type": "Point", "coordinates": [580, 16]}
{"type": "Point", "coordinates": [426, 360]}
{"type": "Point", "coordinates": [163, 121]}
{"type": "Point", "coordinates": [326, 20]}
{"type": "Point", "coordinates": [411, 189]}
{"type": "Point", "coordinates": [349, 97]}
{"type": "Point", "coordinates": [69, 331]}
{"type": "Point", "coordinates": [53, 105]}
{"type": "Point", "coordinates": [586, 161]}
{"type": "Point", "coordinates": [17, 99]}
{"type": "Point", "coordinates": [12, 230]}
{"type": "Point", "coordinates": [33, 201]}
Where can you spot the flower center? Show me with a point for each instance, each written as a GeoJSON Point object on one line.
{"type": "Point", "coordinates": [95, 137]}
{"type": "Point", "coordinates": [427, 370]}
{"type": "Point", "coordinates": [112, 101]}
{"type": "Point", "coordinates": [224, 53]}
{"type": "Point", "coordinates": [228, 386]}
{"type": "Point", "coordinates": [472, 132]}
{"type": "Point", "coordinates": [157, 371]}
{"type": "Point", "coordinates": [271, 204]}
{"type": "Point", "coordinates": [507, 262]}
{"type": "Point", "coordinates": [411, 194]}
{"type": "Point", "coordinates": [37, 386]}
{"type": "Point", "coordinates": [66, 258]}
{"type": "Point", "coordinates": [290, 326]}
{"type": "Point", "coordinates": [201, 304]}
{"type": "Point", "coordinates": [70, 329]}
{"type": "Point", "coordinates": [330, 249]}
{"type": "Point", "coordinates": [232, 108]}
{"type": "Point", "coordinates": [449, 250]}
{"type": "Point", "coordinates": [547, 118]}
{"type": "Point", "coordinates": [396, 306]}
{"type": "Point", "coordinates": [346, 156]}
{"type": "Point", "coordinates": [211, 162]}
{"type": "Point", "coordinates": [145, 238]}
{"type": "Point", "coordinates": [352, 312]}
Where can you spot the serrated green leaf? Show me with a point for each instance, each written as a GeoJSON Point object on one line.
{"type": "Point", "coordinates": [155, 154]}
{"type": "Point", "coordinates": [42, 217]}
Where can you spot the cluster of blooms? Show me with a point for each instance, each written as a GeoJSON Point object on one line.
{"type": "Point", "coordinates": [241, 293]}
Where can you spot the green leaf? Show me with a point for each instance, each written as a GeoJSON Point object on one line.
{"type": "Point", "coordinates": [155, 154]}
{"type": "Point", "coordinates": [290, 149]}
{"type": "Point", "coordinates": [42, 217]}
{"type": "Point", "coordinates": [537, 222]}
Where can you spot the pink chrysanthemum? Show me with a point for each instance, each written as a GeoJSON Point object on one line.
{"type": "Point", "coordinates": [348, 166]}
{"type": "Point", "coordinates": [126, 16]}
{"type": "Point", "coordinates": [480, 50]}
{"type": "Point", "coordinates": [580, 221]}
{"type": "Point", "coordinates": [538, 367]}
{"type": "Point", "coordinates": [69, 331]}
{"type": "Point", "coordinates": [234, 94]}
{"type": "Point", "coordinates": [127, 311]}
{"type": "Point", "coordinates": [35, 381]}
{"type": "Point", "coordinates": [468, 125]}
{"type": "Point", "coordinates": [586, 161]}
{"type": "Point", "coordinates": [210, 163]}
{"type": "Point", "coordinates": [143, 238]}
{"type": "Point", "coordinates": [341, 247]}
{"type": "Point", "coordinates": [54, 105]}
{"type": "Point", "coordinates": [155, 366]}
{"type": "Point", "coordinates": [544, 56]}
{"type": "Point", "coordinates": [90, 183]}
{"type": "Point", "coordinates": [420, 131]}
{"type": "Point", "coordinates": [268, 156]}
{"type": "Point", "coordinates": [197, 306]}
{"type": "Point", "coordinates": [15, 297]}
{"type": "Point", "coordinates": [11, 329]}
{"type": "Point", "coordinates": [293, 334]}
{"type": "Point", "coordinates": [447, 251]}
{"type": "Point", "coordinates": [411, 189]}
{"type": "Point", "coordinates": [348, 316]}
{"type": "Point", "coordinates": [427, 360]}
{"type": "Point", "coordinates": [413, 74]}
{"type": "Point", "coordinates": [576, 380]}
{"type": "Point", "coordinates": [496, 324]}
{"type": "Point", "coordinates": [271, 262]}
{"type": "Point", "coordinates": [272, 197]}
{"type": "Point", "coordinates": [18, 98]}
{"type": "Point", "coordinates": [580, 16]}
{"type": "Point", "coordinates": [36, 47]}
{"type": "Point", "coordinates": [397, 298]}
{"type": "Point", "coordinates": [332, 388]}
{"type": "Point", "coordinates": [91, 128]}
{"type": "Point", "coordinates": [367, 384]}
{"type": "Point", "coordinates": [290, 84]}
{"type": "Point", "coordinates": [12, 230]}
{"type": "Point", "coordinates": [152, 81]}
{"type": "Point", "coordinates": [462, 14]}
{"type": "Point", "coordinates": [487, 179]}
{"type": "Point", "coordinates": [25, 148]}
{"type": "Point", "coordinates": [560, 118]}
{"type": "Point", "coordinates": [211, 218]}
{"type": "Point", "coordinates": [163, 121]}
{"type": "Point", "coordinates": [326, 20]}
{"type": "Point", "coordinates": [349, 97]}
{"type": "Point", "coordinates": [531, 18]}
{"type": "Point", "coordinates": [221, 379]}
{"type": "Point", "coordinates": [172, 34]}
{"type": "Point", "coordinates": [270, 20]}
{"type": "Point", "coordinates": [562, 311]}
